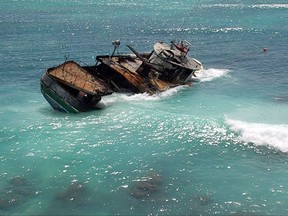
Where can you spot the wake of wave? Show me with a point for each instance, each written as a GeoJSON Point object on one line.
{"type": "Point", "coordinates": [203, 76]}
{"type": "Point", "coordinates": [120, 97]}
{"type": "Point", "coordinates": [275, 136]}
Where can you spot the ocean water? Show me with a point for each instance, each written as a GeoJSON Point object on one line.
{"type": "Point", "coordinates": [217, 147]}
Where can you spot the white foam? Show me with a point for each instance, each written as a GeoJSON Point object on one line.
{"type": "Point", "coordinates": [140, 97]}
{"type": "Point", "coordinates": [223, 5]}
{"type": "Point", "coordinates": [271, 135]}
{"type": "Point", "coordinates": [211, 74]}
{"type": "Point", "coordinates": [269, 6]}
{"type": "Point", "coordinates": [148, 97]}
{"type": "Point", "coordinates": [247, 6]}
{"type": "Point", "coordinates": [120, 97]}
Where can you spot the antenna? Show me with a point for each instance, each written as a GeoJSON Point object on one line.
{"type": "Point", "coordinates": [116, 44]}
{"type": "Point", "coordinates": [66, 57]}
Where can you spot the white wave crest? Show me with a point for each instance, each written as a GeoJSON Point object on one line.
{"type": "Point", "coordinates": [269, 6]}
{"type": "Point", "coordinates": [271, 135]}
{"type": "Point", "coordinates": [277, 6]}
{"type": "Point", "coordinates": [211, 74]}
{"type": "Point", "coordinates": [222, 5]}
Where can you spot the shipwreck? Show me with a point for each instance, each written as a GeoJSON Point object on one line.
{"type": "Point", "coordinates": [72, 88]}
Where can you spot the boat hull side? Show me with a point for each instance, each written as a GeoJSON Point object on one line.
{"type": "Point", "coordinates": [56, 101]}
{"type": "Point", "coordinates": [60, 99]}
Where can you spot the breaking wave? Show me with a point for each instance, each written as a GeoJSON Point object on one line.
{"type": "Point", "coordinates": [269, 6]}
{"type": "Point", "coordinates": [201, 29]}
{"type": "Point", "coordinates": [211, 74]}
{"type": "Point", "coordinates": [275, 136]}
{"type": "Point", "coordinates": [277, 6]}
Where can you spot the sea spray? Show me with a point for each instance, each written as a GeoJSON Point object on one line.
{"type": "Point", "coordinates": [211, 74]}
{"type": "Point", "coordinates": [120, 97]}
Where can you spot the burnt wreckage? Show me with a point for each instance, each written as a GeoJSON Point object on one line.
{"type": "Point", "coordinates": [72, 88]}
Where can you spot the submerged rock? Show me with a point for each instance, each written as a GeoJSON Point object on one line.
{"type": "Point", "coordinates": [10, 201]}
{"type": "Point", "coordinates": [20, 186]}
{"type": "Point", "coordinates": [17, 192]}
{"type": "Point", "coordinates": [146, 187]}
{"type": "Point", "coordinates": [74, 193]}
{"type": "Point", "coordinates": [18, 181]}
{"type": "Point", "coordinates": [203, 200]}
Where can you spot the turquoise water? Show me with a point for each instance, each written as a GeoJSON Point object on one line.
{"type": "Point", "coordinates": [218, 147]}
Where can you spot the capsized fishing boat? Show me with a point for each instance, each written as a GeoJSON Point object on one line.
{"type": "Point", "coordinates": [74, 88]}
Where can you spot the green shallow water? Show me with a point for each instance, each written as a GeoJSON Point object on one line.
{"type": "Point", "coordinates": [205, 167]}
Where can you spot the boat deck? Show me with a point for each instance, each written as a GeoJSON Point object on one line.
{"type": "Point", "coordinates": [76, 76]}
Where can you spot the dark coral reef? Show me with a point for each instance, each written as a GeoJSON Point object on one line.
{"type": "Point", "coordinates": [146, 186]}
{"type": "Point", "coordinates": [75, 193]}
{"type": "Point", "coordinates": [16, 192]}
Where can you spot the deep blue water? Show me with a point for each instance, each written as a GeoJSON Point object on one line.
{"type": "Point", "coordinates": [218, 147]}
